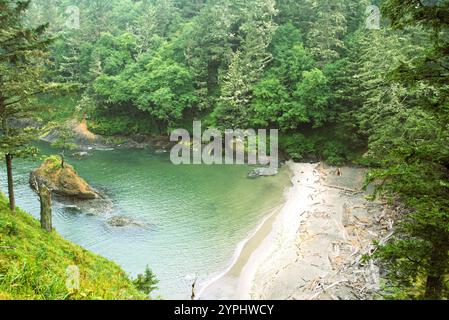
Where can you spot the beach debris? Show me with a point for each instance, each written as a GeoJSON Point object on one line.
{"type": "Point", "coordinates": [343, 189]}
{"type": "Point", "coordinates": [332, 243]}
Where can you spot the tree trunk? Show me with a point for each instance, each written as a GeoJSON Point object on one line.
{"type": "Point", "coordinates": [435, 279]}
{"type": "Point", "coordinates": [46, 212]}
{"type": "Point", "coordinates": [12, 200]}
{"type": "Point", "coordinates": [62, 160]}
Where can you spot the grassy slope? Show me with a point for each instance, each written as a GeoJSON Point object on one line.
{"type": "Point", "coordinates": [33, 264]}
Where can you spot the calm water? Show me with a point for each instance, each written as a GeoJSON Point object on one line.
{"type": "Point", "coordinates": [199, 213]}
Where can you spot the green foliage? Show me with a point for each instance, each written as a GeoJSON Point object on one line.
{"type": "Point", "coordinates": [164, 89]}
{"type": "Point", "coordinates": [334, 153]}
{"type": "Point", "coordinates": [312, 96]}
{"type": "Point", "coordinates": [406, 126]}
{"type": "Point", "coordinates": [57, 109]}
{"type": "Point", "coordinates": [65, 138]}
{"type": "Point", "coordinates": [53, 164]}
{"type": "Point", "coordinates": [246, 66]}
{"type": "Point", "coordinates": [120, 125]}
{"type": "Point", "coordinates": [22, 55]}
{"type": "Point", "coordinates": [270, 103]}
{"type": "Point", "coordinates": [159, 86]}
{"type": "Point", "coordinates": [292, 93]}
{"type": "Point", "coordinates": [318, 145]}
{"type": "Point", "coordinates": [298, 147]}
{"type": "Point", "coordinates": [147, 282]}
{"type": "Point", "coordinates": [111, 126]}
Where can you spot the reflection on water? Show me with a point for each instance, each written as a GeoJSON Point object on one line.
{"type": "Point", "coordinates": [198, 214]}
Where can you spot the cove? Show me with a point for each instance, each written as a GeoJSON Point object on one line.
{"type": "Point", "coordinates": [199, 214]}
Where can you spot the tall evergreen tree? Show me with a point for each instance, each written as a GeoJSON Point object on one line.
{"type": "Point", "coordinates": [22, 58]}
{"type": "Point", "coordinates": [409, 140]}
{"type": "Point", "coordinates": [247, 64]}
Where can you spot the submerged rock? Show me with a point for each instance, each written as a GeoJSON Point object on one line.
{"type": "Point", "coordinates": [72, 209]}
{"type": "Point", "coordinates": [62, 181]}
{"type": "Point", "coordinates": [124, 221]}
{"type": "Point", "coordinates": [81, 155]}
{"type": "Point", "coordinates": [263, 172]}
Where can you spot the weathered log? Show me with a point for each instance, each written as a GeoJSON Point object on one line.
{"type": "Point", "coordinates": [46, 212]}
{"type": "Point", "coordinates": [343, 188]}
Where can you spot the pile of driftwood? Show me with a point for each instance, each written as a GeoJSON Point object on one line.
{"type": "Point", "coordinates": [355, 274]}
{"type": "Point", "coordinates": [362, 223]}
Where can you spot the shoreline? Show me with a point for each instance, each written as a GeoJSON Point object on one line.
{"type": "Point", "coordinates": [236, 281]}
{"type": "Point", "coordinates": [239, 257]}
{"type": "Point", "coordinates": [312, 246]}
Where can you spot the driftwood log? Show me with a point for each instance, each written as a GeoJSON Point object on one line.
{"type": "Point", "coordinates": [46, 214]}
{"type": "Point", "coordinates": [45, 199]}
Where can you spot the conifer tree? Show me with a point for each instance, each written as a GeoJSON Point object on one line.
{"type": "Point", "coordinates": [409, 140]}
{"type": "Point", "coordinates": [22, 59]}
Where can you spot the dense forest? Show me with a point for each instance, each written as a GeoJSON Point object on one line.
{"type": "Point", "coordinates": [344, 83]}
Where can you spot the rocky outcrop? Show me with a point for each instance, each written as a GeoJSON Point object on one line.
{"type": "Point", "coordinates": [62, 181]}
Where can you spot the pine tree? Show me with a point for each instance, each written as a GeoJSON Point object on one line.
{"type": "Point", "coordinates": [22, 58]}
{"type": "Point", "coordinates": [325, 37]}
{"type": "Point", "coordinates": [405, 117]}
{"type": "Point", "coordinates": [247, 66]}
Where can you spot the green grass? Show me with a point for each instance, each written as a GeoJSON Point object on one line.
{"type": "Point", "coordinates": [33, 264]}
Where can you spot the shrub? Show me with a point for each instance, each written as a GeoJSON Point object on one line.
{"type": "Point", "coordinates": [147, 282]}
{"type": "Point", "coordinates": [297, 146]}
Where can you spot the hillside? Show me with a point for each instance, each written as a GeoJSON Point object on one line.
{"type": "Point", "coordinates": [33, 264]}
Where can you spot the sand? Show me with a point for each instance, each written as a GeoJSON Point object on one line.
{"type": "Point", "coordinates": [311, 247]}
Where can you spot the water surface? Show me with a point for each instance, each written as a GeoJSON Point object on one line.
{"type": "Point", "coordinates": [199, 213]}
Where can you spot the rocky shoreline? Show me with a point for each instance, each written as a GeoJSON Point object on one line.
{"type": "Point", "coordinates": [87, 141]}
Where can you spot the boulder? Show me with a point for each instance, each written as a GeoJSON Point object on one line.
{"type": "Point", "coordinates": [62, 181]}
{"type": "Point", "coordinates": [263, 172]}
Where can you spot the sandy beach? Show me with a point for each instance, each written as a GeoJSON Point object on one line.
{"type": "Point", "coordinates": [311, 246]}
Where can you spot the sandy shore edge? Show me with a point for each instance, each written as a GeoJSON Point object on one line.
{"type": "Point", "coordinates": [236, 282]}
{"type": "Point", "coordinates": [313, 246]}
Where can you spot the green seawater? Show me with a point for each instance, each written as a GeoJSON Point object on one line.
{"type": "Point", "coordinates": [198, 213]}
